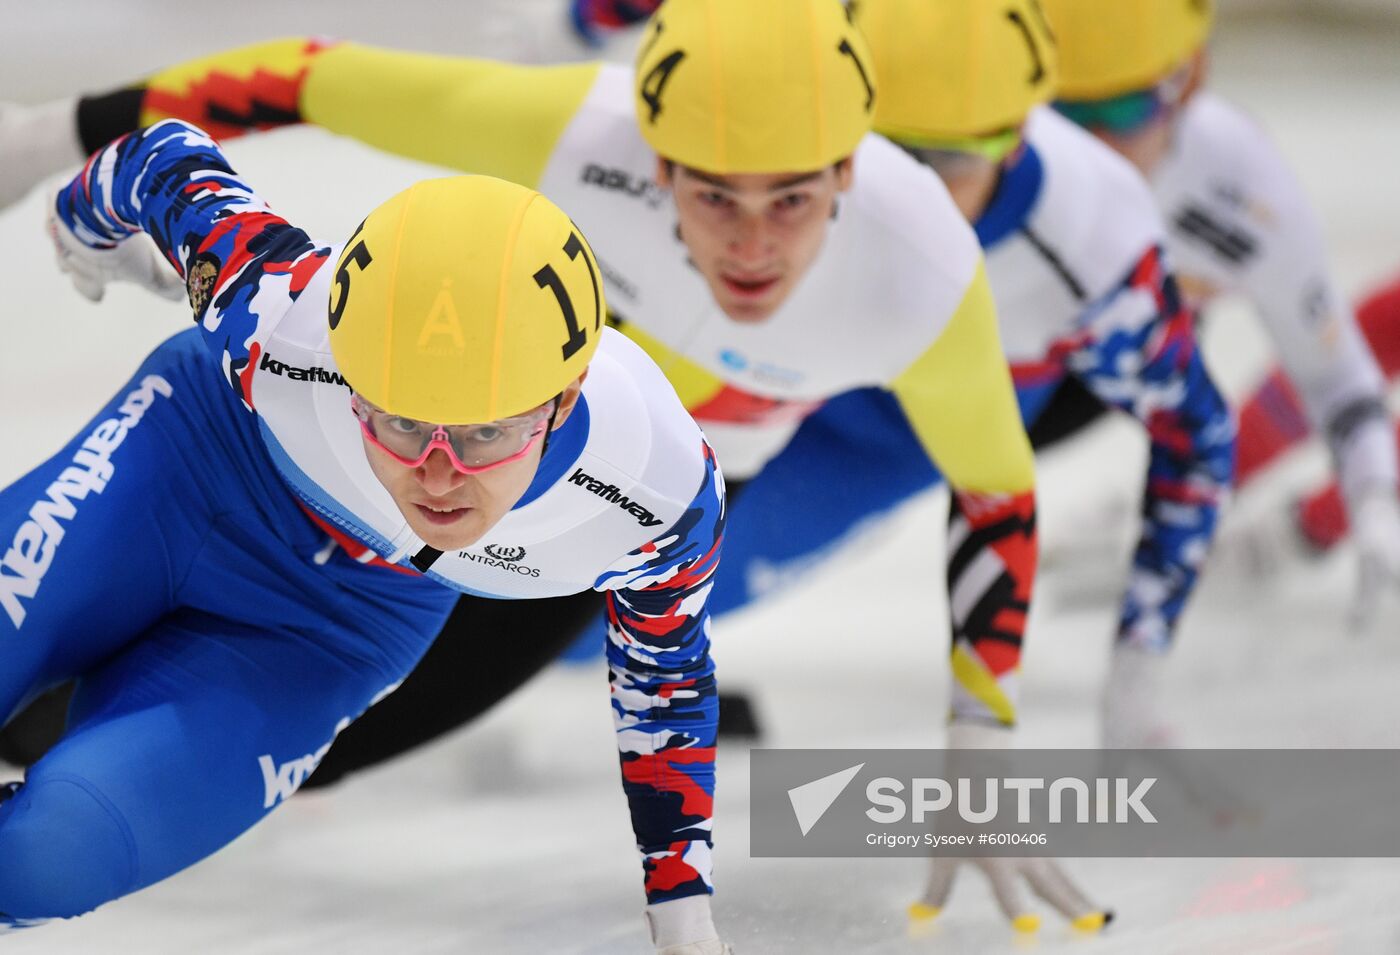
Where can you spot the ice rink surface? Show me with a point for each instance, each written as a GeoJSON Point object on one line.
{"type": "Point", "coordinates": [512, 837]}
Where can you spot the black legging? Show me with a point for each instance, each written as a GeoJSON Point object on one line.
{"type": "Point", "coordinates": [486, 651]}
{"type": "Point", "coordinates": [1071, 409]}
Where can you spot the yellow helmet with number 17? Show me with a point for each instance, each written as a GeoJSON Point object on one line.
{"type": "Point", "coordinates": [953, 70]}
{"type": "Point", "coordinates": [464, 300]}
{"type": "Point", "coordinates": [754, 86]}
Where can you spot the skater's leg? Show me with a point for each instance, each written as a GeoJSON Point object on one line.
{"type": "Point", "coordinates": [196, 728]}
{"type": "Point", "coordinates": [1272, 419]}
{"type": "Point", "coordinates": [93, 540]}
{"type": "Point", "coordinates": [179, 743]}
{"type": "Point", "coordinates": [1379, 318]}
{"type": "Point", "coordinates": [1322, 516]}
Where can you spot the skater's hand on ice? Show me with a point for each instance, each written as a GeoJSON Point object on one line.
{"type": "Point", "coordinates": [685, 927]}
{"type": "Point", "coordinates": [135, 259]}
{"type": "Point", "coordinates": [35, 142]}
{"type": "Point", "coordinates": [1376, 530]}
{"type": "Point", "coordinates": [1008, 878]}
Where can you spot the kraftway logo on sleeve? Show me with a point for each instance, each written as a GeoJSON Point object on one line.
{"type": "Point", "coordinates": [315, 373]}
{"type": "Point", "coordinates": [613, 493]}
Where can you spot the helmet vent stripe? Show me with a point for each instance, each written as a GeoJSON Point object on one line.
{"type": "Point", "coordinates": [717, 82]}
{"type": "Point", "coordinates": [386, 378]}
{"type": "Point", "coordinates": [502, 303]}
{"type": "Point", "coordinates": [814, 46]}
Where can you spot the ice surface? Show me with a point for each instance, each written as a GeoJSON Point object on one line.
{"type": "Point", "coordinates": [513, 837]}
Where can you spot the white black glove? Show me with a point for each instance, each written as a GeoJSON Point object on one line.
{"type": "Point", "coordinates": [36, 142]}
{"type": "Point", "coordinates": [135, 259]}
{"type": "Point", "coordinates": [1132, 710]}
{"type": "Point", "coordinates": [685, 927]}
{"type": "Point", "coordinates": [1044, 876]}
{"type": "Point", "coordinates": [1135, 719]}
{"type": "Point", "coordinates": [711, 947]}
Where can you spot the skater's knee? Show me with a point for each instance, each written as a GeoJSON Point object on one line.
{"type": "Point", "coordinates": [64, 850]}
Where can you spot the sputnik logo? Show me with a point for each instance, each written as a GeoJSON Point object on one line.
{"type": "Point", "coordinates": [810, 801]}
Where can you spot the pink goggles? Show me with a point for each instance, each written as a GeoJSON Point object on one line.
{"type": "Point", "coordinates": [472, 448]}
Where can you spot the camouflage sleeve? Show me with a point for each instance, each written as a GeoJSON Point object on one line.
{"type": "Point", "coordinates": [1136, 349]}
{"type": "Point", "coordinates": [665, 707]}
{"type": "Point", "coordinates": [172, 182]}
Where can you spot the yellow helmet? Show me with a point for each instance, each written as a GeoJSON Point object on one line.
{"type": "Point", "coordinates": [1108, 47]}
{"type": "Point", "coordinates": [954, 70]}
{"type": "Point", "coordinates": [464, 300]}
{"type": "Point", "coordinates": [754, 86]}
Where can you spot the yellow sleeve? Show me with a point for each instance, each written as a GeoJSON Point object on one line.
{"type": "Point", "coordinates": [959, 399]}
{"type": "Point", "coordinates": [481, 116]}
{"type": "Point", "coordinates": [502, 119]}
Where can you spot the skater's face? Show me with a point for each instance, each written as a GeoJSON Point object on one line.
{"type": "Point", "coordinates": [752, 237]}
{"type": "Point", "coordinates": [1145, 148]}
{"type": "Point", "coordinates": [450, 510]}
{"type": "Point", "coordinates": [1140, 125]}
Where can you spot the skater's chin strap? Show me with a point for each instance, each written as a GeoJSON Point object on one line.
{"type": "Point", "coordinates": [425, 558]}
